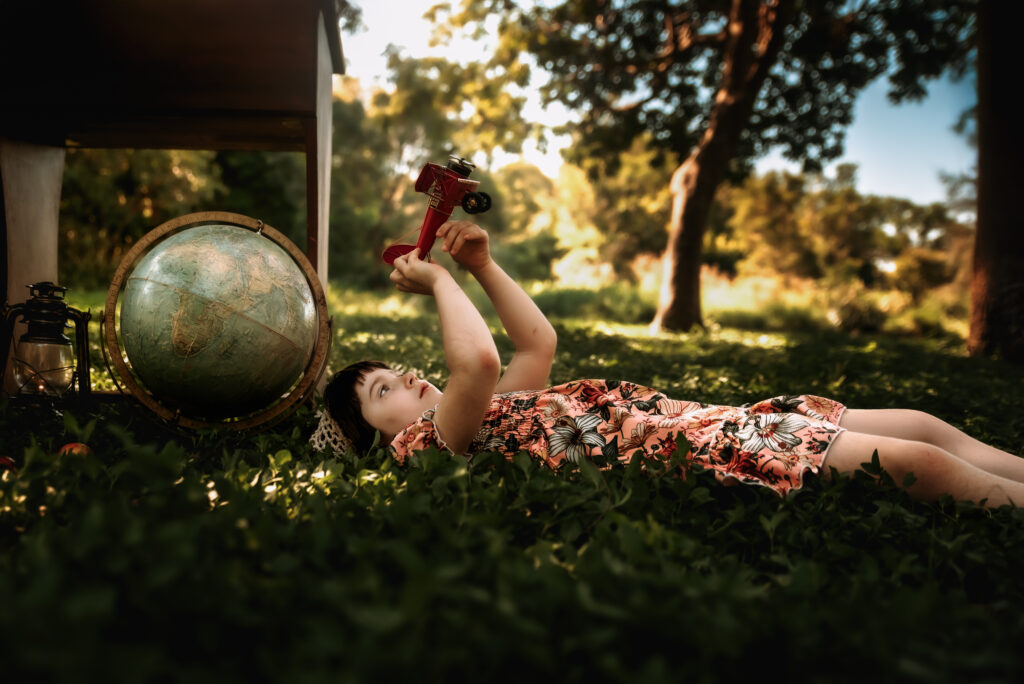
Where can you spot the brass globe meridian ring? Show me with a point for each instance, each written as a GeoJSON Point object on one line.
{"type": "Point", "coordinates": [276, 411]}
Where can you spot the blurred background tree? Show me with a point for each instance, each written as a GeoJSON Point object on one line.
{"type": "Point", "coordinates": [997, 286]}
{"type": "Point", "coordinates": [631, 201]}
{"type": "Point", "coordinates": [870, 258]}
{"type": "Point", "coordinates": [111, 198]}
{"type": "Point", "coordinates": [270, 186]}
{"type": "Point", "coordinates": [434, 108]}
{"type": "Point", "coordinates": [718, 84]}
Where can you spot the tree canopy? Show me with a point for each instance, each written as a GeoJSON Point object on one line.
{"type": "Point", "coordinates": [658, 68]}
{"type": "Point", "coordinates": [803, 226]}
{"type": "Point", "coordinates": [717, 83]}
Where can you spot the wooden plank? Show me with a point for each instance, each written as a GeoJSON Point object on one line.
{"type": "Point", "coordinates": [86, 71]}
{"type": "Point", "coordinates": [318, 164]}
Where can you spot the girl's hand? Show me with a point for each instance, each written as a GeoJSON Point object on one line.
{"type": "Point", "coordinates": [412, 274]}
{"type": "Point", "coordinates": [467, 243]}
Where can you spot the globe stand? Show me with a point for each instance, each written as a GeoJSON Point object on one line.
{"type": "Point", "coordinates": [259, 419]}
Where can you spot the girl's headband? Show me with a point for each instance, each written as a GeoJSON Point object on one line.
{"type": "Point", "coordinates": [328, 435]}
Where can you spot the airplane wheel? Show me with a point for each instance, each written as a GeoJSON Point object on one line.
{"type": "Point", "coordinates": [475, 202]}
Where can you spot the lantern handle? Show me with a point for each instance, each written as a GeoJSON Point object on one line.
{"type": "Point", "coordinates": [10, 315]}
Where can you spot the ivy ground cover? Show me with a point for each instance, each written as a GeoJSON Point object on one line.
{"type": "Point", "coordinates": [160, 556]}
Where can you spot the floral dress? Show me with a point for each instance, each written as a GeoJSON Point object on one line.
{"type": "Point", "coordinates": [771, 443]}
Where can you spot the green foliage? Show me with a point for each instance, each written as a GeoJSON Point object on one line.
{"type": "Point", "coordinates": [269, 186]}
{"type": "Point", "coordinates": [772, 317]}
{"type": "Point", "coordinates": [710, 86]}
{"type": "Point", "coordinates": [380, 141]}
{"type": "Point", "coordinates": [526, 192]}
{"type": "Point", "coordinates": [618, 303]}
{"type": "Point", "coordinates": [632, 202]}
{"type": "Point", "coordinates": [441, 106]}
{"type": "Point", "coordinates": [111, 198]}
{"type": "Point", "coordinates": [367, 195]}
{"type": "Point", "coordinates": [876, 262]}
{"type": "Point", "coordinates": [822, 228]}
{"type": "Point", "coordinates": [435, 108]}
{"type": "Point", "coordinates": [224, 557]}
{"type": "Point", "coordinates": [655, 69]}
{"type": "Point", "coordinates": [530, 257]}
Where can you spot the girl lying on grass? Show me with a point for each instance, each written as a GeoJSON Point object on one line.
{"type": "Point", "coordinates": [771, 443]}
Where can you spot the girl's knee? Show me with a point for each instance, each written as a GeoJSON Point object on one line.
{"type": "Point", "coordinates": [926, 461]}
{"type": "Point", "coordinates": [924, 421]}
{"type": "Point", "coordinates": [919, 426]}
{"type": "Point", "coordinates": [935, 470]}
{"type": "Point", "coordinates": [898, 457]}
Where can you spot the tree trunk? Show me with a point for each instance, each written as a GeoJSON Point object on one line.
{"type": "Point", "coordinates": [997, 286]}
{"type": "Point", "coordinates": [755, 37]}
{"type": "Point", "coordinates": [693, 190]}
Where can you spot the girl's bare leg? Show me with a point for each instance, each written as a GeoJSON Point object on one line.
{"type": "Point", "coordinates": [937, 471]}
{"type": "Point", "coordinates": [923, 427]}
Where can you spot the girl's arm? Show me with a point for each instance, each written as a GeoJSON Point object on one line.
{"type": "Point", "coordinates": [469, 350]}
{"type": "Point", "coordinates": [526, 325]}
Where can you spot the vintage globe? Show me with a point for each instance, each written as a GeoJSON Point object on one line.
{"type": "Point", "coordinates": [218, 320]}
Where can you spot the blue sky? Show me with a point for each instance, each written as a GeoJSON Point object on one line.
{"type": "Point", "coordinates": [899, 150]}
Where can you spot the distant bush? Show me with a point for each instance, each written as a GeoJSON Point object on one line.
{"type": "Point", "coordinates": [857, 314]}
{"type": "Point", "coordinates": [618, 303]}
{"type": "Point", "coordinates": [529, 258]}
{"type": "Point", "coordinates": [773, 317]}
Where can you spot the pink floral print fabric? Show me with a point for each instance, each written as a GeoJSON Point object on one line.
{"type": "Point", "coordinates": [770, 443]}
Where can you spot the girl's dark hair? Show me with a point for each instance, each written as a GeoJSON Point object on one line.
{"type": "Point", "coordinates": [343, 403]}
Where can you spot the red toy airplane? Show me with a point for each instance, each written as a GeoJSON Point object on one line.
{"type": "Point", "coordinates": [446, 186]}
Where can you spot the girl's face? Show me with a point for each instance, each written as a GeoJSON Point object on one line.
{"type": "Point", "coordinates": [391, 401]}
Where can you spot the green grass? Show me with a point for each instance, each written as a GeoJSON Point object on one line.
{"type": "Point", "coordinates": [223, 558]}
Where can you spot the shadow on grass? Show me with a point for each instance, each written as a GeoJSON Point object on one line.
{"type": "Point", "coordinates": [133, 563]}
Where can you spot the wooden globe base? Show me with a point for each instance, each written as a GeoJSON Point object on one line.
{"type": "Point", "coordinates": [259, 419]}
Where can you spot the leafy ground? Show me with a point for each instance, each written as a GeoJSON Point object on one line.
{"type": "Point", "coordinates": [212, 557]}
